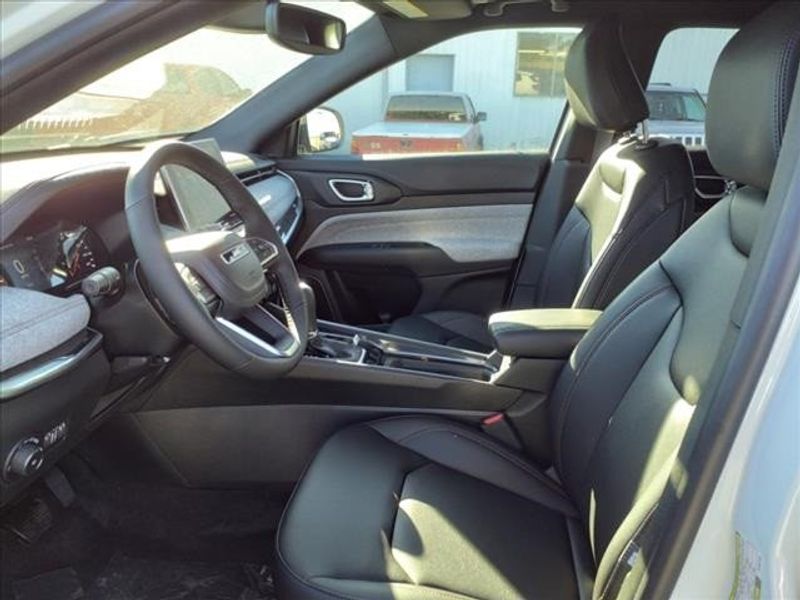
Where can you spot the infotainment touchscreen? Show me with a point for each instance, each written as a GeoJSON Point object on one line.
{"type": "Point", "coordinates": [198, 202]}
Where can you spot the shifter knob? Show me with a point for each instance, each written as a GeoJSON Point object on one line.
{"type": "Point", "coordinates": [311, 309]}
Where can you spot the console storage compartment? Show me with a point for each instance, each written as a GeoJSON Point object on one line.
{"type": "Point", "coordinates": [541, 332]}
{"type": "Point", "coordinates": [385, 350]}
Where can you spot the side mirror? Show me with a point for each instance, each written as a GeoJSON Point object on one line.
{"type": "Point", "coordinates": [480, 117]}
{"type": "Point", "coordinates": [304, 29]}
{"type": "Point", "coordinates": [321, 130]}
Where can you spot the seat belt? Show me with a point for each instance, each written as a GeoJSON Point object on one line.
{"type": "Point", "coordinates": [631, 561]}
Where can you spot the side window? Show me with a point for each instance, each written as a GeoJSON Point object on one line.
{"type": "Point", "coordinates": [491, 91]}
{"type": "Point", "coordinates": [678, 86]}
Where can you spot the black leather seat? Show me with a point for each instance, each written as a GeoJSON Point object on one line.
{"type": "Point", "coordinates": [424, 508]}
{"type": "Point", "coordinates": [636, 200]}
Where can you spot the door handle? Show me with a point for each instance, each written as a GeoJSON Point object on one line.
{"type": "Point", "coordinates": [352, 190]}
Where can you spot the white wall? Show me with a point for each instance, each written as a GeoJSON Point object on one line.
{"type": "Point", "coordinates": [687, 57]}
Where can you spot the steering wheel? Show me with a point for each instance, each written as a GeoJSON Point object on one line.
{"type": "Point", "coordinates": [215, 284]}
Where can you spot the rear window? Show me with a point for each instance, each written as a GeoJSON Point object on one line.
{"type": "Point", "coordinates": [676, 106]}
{"type": "Point", "coordinates": [425, 107]}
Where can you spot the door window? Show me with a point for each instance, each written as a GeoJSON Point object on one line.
{"type": "Point", "coordinates": [491, 91]}
{"type": "Point", "coordinates": [679, 83]}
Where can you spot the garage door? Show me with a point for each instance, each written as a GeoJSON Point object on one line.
{"type": "Point", "coordinates": [430, 73]}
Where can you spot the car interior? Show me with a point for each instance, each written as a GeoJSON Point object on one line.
{"type": "Point", "coordinates": [233, 370]}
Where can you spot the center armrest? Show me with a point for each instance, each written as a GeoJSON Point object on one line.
{"type": "Point", "coordinates": [540, 332]}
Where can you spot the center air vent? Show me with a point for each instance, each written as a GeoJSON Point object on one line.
{"type": "Point", "coordinates": [255, 175]}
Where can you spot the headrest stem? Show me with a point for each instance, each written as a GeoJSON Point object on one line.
{"type": "Point", "coordinates": [645, 132]}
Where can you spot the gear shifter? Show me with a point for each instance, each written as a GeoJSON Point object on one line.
{"type": "Point", "coordinates": [311, 310]}
{"type": "Point", "coordinates": [321, 345]}
{"type": "Point", "coordinates": [315, 341]}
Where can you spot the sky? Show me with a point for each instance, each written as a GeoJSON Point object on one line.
{"type": "Point", "coordinates": [252, 59]}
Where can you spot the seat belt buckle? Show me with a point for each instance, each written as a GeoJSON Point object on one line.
{"type": "Point", "coordinates": [497, 426]}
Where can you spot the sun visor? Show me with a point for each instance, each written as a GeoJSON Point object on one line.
{"type": "Point", "coordinates": [429, 10]}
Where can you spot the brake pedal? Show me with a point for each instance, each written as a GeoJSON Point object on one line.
{"type": "Point", "coordinates": [60, 487]}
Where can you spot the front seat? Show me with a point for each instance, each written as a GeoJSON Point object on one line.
{"type": "Point", "coordinates": [636, 201]}
{"type": "Point", "coordinates": [422, 508]}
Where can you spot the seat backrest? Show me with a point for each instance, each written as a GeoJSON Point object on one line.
{"type": "Point", "coordinates": [638, 197]}
{"type": "Point", "coordinates": [622, 405]}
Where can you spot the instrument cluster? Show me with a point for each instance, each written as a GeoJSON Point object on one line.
{"type": "Point", "coordinates": [55, 261]}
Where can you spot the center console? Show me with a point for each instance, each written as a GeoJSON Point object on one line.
{"type": "Point", "coordinates": [347, 344]}
{"type": "Point", "coordinates": [359, 346]}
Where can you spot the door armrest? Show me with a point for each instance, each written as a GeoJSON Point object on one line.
{"type": "Point", "coordinates": [540, 332]}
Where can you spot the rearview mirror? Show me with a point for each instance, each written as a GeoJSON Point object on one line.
{"type": "Point", "coordinates": [304, 29]}
{"type": "Point", "coordinates": [480, 117]}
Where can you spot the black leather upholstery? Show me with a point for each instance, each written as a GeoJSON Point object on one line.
{"type": "Point", "coordinates": [752, 89]}
{"type": "Point", "coordinates": [421, 508]}
{"type": "Point", "coordinates": [540, 332]}
{"type": "Point", "coordinates": [448, 328]}
{"type": "Point", "coordinates": [635, 202]}
{"type": "Point", "coordinates": [602, 88]}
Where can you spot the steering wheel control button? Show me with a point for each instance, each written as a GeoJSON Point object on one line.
{"type": "Point", "coordinates": [266, 251]}
{"type": "Point", "coordinates": [25, 459]}
{"type": "Point", "coordinates": [234, 254]}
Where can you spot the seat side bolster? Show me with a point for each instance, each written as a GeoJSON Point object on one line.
{"type": "Point", "coordinates": [464, 450]}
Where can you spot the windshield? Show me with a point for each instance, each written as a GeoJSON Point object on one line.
{"type": "Point", "coordinates": [433, 107]}
{"type": "Point", "coordinates": [676, 106]}
{"type": "Point", "coordinates": [176, 89]}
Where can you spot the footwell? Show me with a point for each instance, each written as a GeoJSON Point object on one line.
{"type": "Point", "coordinates": [126, 578]}
{"type": "Point", "coordinates": [138, 542]}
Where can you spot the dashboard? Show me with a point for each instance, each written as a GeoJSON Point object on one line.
{"type": "Point", "coordinates": [74, 224]}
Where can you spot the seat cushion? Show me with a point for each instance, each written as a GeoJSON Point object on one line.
{"type": "Point", "coordinates": [421, 507]}
{"type": "Point", "coordinates": [448, 328]}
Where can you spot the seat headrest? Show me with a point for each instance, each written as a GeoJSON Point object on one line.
{"type": "Point", "coordinates": [602, 87]}
{"type": "Point", "coordinates": [750, 94]}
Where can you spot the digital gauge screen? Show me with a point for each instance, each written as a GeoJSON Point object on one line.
{"type": "Point", "coordinates": [54, 261]}
{"type": "Point", "coordinates": [199, 203]}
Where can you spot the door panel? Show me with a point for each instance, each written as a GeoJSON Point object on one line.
{"type": "Point", "coordinates": [464, 233]}
{"type": "Point", "coordinates": [426, 233]}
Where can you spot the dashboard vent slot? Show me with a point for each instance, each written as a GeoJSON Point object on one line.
{"type": "Point", "coordinates": [254, 176]}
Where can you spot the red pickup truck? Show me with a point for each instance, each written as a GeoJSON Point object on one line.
{"type": "Point", "coordinates": [423, 122]}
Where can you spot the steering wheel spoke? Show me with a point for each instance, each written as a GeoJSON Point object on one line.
{"type": "Point", "coordinates": [199, 288]}
{"type": "Point", "coordinates": [266, 251]}
{"type": "Point", "coordinates": [261, 329]}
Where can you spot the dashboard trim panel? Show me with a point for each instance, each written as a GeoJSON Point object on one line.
{"type": "Point", "coordinates": [16, 385]}
{"type": "Point", "coordinates": [286, 237]}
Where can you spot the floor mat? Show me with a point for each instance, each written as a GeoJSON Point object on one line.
{"type": "Point", "coordinates": [61, 584]}
{"type": "Point", "coordinates": [137, 542]}
{"type": "Point", "coordinates": [128, 578]}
